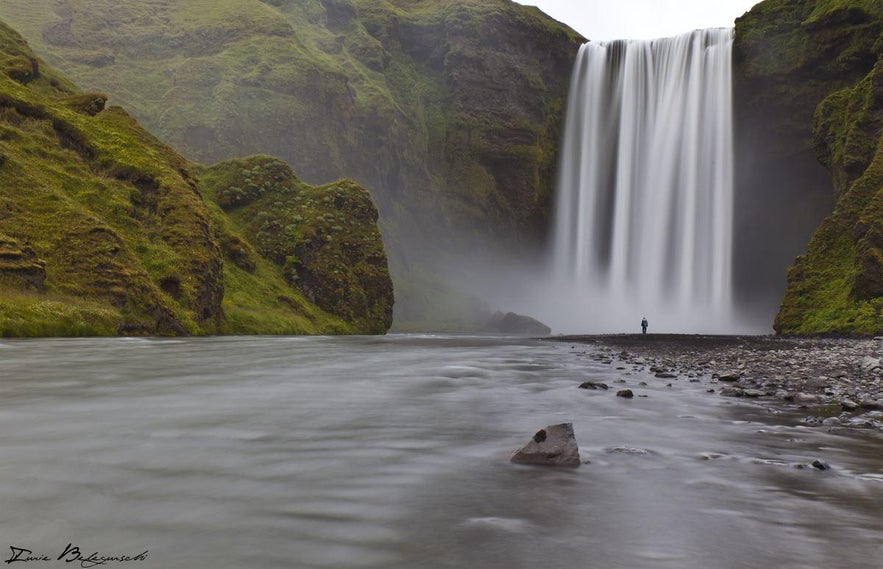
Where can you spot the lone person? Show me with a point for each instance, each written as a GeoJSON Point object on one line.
{"type": "Point", "coordinates": [644, 325]}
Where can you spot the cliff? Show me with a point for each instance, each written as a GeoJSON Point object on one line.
{"type": "Point", "coordinates": [808, 93]}
{"type": "Point", "coordinates": [449, 111]}
{"type": "Point", "coordinates": [105, 230]}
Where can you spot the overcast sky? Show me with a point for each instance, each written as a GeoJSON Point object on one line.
{"type": "Point", "coordinates": [603, 20]}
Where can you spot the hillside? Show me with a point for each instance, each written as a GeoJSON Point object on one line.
{"type": "Point", "coordinates": [449, 112]}
{"type": "Point", "coordinates": [809, 79]}
{"type": "Point", "coordinates": [105, 230]}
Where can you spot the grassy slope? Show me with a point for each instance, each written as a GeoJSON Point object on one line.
{"type": "Point", "coordinates": [806, 54]}
{"type": "Point", "coordinates": [105, 230]}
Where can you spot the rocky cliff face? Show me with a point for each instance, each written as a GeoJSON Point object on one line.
{"type": "Point", "coordinates": [105, 230]}
{"type": "Point", "coordinates": [449, 112]}
{"type": "Point", "coordinates": [806, 74]}
{"type": "Point", "coordinates": [324, 239]}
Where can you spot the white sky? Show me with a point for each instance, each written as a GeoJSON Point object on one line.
{"type": "Point", "coordinates": [604, 20]}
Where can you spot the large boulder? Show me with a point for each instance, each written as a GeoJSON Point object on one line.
{"type": "Point", "coordinates": [553, 446]}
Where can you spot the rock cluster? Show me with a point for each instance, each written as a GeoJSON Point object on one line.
{"type": "Point", "coordinates": [838, 380]}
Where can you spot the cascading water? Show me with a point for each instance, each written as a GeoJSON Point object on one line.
{"type": "Point", "coordinates": [644, 214]}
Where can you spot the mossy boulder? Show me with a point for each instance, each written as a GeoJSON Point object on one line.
{"type": "Point", "coordinates": [324, 239]}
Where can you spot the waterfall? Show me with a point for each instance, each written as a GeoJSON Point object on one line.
{"type": "Point", "coordinates": [643, 220]}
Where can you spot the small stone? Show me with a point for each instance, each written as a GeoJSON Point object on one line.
{"type": "Point", "coordinates": [753, 393]}
{"type": "Point", "coordinates": [731, 392]}
{"type": "Point", "coordinates": [806, 399]}
{"type": "Point", "coordinates": [831, 422]}
{"type": "Point", "coordinates": [820, 465]}
{"type": "Point", "coordinates": [593, 385]}
{"type": "Point", "coordinates": [666, 375]}
{"type": "Point", "coordinates": [729, 376]}
{"type": "Point", "coordinates": [627, 393]}
{"type": "Point", "coordinates": [869, 364]}
{"type": "Point", "coordinates": [848, 405]}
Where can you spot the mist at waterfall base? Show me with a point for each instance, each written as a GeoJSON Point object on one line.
{"type": "Point", "coordinates": [643, 224]}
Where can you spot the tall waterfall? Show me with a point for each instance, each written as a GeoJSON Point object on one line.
{"type": "Point", "coordinates": [643, 223]}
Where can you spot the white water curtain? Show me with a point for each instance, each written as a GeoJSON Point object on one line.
{"type": "Point", "coordinates": [645, 193]}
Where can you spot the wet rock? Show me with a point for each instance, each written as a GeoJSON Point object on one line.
{"type": "Point", "coordinates": [805, 399]}
{"type": "Point", "coordinates": [869, 403]}
{"type": "Point", "coordinates": [869, 364]}
{"type": "Point", "coordinates": [831, 422]}
{"type": "Point", "coordinates": [666, 375]}
{"type": "Point", "coordinates": [753, 393]}
{"type": "Point", "coordinates": [820, 465]}
{"type": "Point", "coordinates": [593, 385]}
{"type": "Point", "coordinates": [627, 393]}
{"type": "Point", "coordinates": [553, 446]}
{"type": "Point", "coordinates": [729, 391]}
{"type": "Point", "coordinates": [848, 405]}
{"type": "Point", "coordinates": [729, 376]}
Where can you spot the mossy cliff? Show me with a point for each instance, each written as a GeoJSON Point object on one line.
{"type": "Point", "coordinates": [448, 111]}
{"type": "Point", "coordinates": [809, 80]}
{"type": "Point", "coordinates": [105, 230]}
{"type": "Point", "coordinates": [324, 239]}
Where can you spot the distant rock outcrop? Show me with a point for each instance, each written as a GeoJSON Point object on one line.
{"type": "Point", "coordinates": [553, 446]}
{"type": "Point", "coordinates": [511, 323]}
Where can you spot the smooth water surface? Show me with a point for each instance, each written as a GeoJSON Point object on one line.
{"type": "Point", "coordinates": [392, 452]}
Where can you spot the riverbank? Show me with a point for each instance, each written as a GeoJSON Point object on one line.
{"type": "Point", "coordinates": [838, 381]}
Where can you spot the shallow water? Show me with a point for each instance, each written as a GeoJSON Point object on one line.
{"type": "Point", "coordinates": [392, 452]}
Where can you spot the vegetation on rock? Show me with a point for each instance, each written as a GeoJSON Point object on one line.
{"type": "Point", "coordinates": [104, 230]}
{"type": "Point", "coordinates": [324, 240]}
{"type": "Point", "coordinates": [811, 86]}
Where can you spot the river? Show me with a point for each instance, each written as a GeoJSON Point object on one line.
{"type": "Point", "coordinates": [392, 452]}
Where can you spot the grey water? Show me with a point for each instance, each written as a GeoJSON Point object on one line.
{"type": "Point", "coordinates": [392, 452]}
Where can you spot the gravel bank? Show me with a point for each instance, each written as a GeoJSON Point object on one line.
{"type": "Point", "coordinates": [838, 380]}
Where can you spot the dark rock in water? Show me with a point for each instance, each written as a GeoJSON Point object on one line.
{"type": "Point", "coordinates": [666, 375]}
{"type": "Point", "coordinates": [627, 393]}
{"type": "Point", "coordinates": [820, 465]}
{"type": "Point", "coordinates": [511, 323]}
{"type": "Point", "coordinates": [593, 385]}
{"type": "Point", "coordinates": [553, 446]}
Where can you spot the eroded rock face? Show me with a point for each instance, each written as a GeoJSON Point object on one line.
{"type": "Point", "coordinates": [807, 93]}
{"type": "Point", "coordinates": [553, 446]}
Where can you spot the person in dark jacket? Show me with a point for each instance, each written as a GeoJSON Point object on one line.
{"type": "Point", "coordinates": [644, 325]}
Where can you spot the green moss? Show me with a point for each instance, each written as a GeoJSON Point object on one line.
{"type": "Point", "coordinates": [106, 230]}
{"type": "Point", "coordinates": [322, 242]}
{"type": "Point", "coordinates": [40, 316]}
{"type": "Point", "coordinates": [838, 286]}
